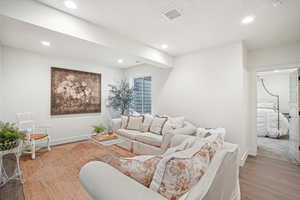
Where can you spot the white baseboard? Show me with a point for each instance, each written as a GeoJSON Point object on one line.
{"type": "Point", "coordinates": [66, 140]}
{"type": "Point", "coordinates": [252, 153]}
{"type": "Point", "coordinates": [243, 159]}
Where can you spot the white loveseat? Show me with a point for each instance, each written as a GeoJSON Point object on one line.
{"type": "Point", "coordinates": [220, 182]}
{"type": "Point", "coordinates": [147, 143]}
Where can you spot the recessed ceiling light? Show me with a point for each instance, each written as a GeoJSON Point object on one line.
{"type": "Point", "coordinates": [164, 46]}
{"type": "Point", "coordinates": [276, 71]}
{"type": "Point", "coordinates": [120, 61]}
{"type": "Point", "coordinates": [45, 43]}
{"type": "Point", "coordinates": [70, 4]}
{"type": "Point", "coordinates": [248, 19]}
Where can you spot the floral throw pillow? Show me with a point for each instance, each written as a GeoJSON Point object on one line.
{"type": "Point", "coordinates": [140, 168]}
{"type": "Point", "coordinates": [181, 174]}
{"type": "Point", "coordinates": [183, 166]}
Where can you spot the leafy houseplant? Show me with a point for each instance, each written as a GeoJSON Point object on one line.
{"type": "Point", "coordinates": [121, 97]}
{"type": "Point", "coordinates": [99, 129]}
{"type": "Point", "coordinates": [9, 136]}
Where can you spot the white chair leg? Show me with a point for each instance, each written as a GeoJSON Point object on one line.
{"type": "Point", "coordinates": [33, 149]}
{"type": "Point", "coordinates": [49, 143]}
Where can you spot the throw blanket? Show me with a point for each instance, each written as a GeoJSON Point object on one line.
{"type": "Point", "coordinates": [187, 149]}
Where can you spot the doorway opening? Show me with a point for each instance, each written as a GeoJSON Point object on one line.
{"type": "Point", "coordinates": [277, 113]}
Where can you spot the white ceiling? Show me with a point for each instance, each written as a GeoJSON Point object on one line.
{"type": "Point", "coordinates": [27, 36]}
{"type": "Point", "coordinates": [204, 24]}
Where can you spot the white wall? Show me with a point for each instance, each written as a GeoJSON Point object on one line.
{"type": "Point", "coordinates": [277, 83]}
{"type": "Point", "coordinates": [159, 77]}
{"type": "Point", "coordinates": [283, 57]}
{"type": "Point", "coordinates": [277, 57]}
{"type": "Point", "coordinates": [207, 87]}
{"type": "Point", "coordinates": [1, 84]}
{"type": "Point", "coordinates": [27, 88]}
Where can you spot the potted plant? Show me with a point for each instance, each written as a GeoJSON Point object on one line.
{"type": "Point", "coordinates": [121, 97]}
{"type": "Point", "coordinates": [10, 136]}
{"type": "Point", "coordinates": [99, 129]}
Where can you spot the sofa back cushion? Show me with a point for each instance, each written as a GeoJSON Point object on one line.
{"type": "Point", "coordinates": [173, 123]}
{"type": "Point", "coordinates": [124, 121]}
{"type": "Point", "coordinates": [135, 123]}
{"type": "Point", "coordinates": [147, 122]}
{"type": "Point", "coordinates": [157, 124]}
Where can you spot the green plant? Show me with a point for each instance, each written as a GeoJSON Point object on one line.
{"type": "Point", "coordinates": [99, 129]}
{"type": "Point", "coordinates": [9, 133]}
{"type": "Point", "coordinates": [121, 97]}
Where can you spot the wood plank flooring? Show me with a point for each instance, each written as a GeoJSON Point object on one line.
{"type": "Point", "coordinates": [54, 175]}
{"type": "Point", "coordinates": [263, 178]}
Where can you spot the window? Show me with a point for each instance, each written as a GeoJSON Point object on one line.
{"type": "Point", "coordinates": [142, 95]}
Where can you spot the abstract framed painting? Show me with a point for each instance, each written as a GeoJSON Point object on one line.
{"type": "Point", "coordinates": [75, 92]}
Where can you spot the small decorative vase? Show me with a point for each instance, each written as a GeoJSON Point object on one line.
{"type": "Point", "coordinates": [110, 132]}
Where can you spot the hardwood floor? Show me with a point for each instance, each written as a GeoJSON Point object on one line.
{"type": "Point", "coordinates": [263, 178]}
{"type": "Point", "coordinates": [54, 175]}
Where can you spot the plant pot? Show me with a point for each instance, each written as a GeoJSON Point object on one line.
{"type": "Point", "coordinates": [9, 145]}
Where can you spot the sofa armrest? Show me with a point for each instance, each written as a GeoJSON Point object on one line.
{"type": "Point", "coordinates": [187, 129]}
{"type": "Point", "coordinates": [104, 182]}
{"type": "Point", "coordinates": [116, 124]}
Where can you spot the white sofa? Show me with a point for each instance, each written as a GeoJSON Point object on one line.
{"type": "Point", "coordinates": [147, 143]}
{"type": "Point", "coordinates": [220, 182]}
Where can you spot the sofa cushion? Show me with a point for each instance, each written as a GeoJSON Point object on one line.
{"type": "Point", "coordinates": [130, 134]}
{"type": "Point", "coordinates": [140, 168]}
{"type": "Point", "coordinates": [150, 138]}
{"type": "Point", "coordinates": [135, 123]}
{"type": "Point", "coordinates": [181, 168]}
{"type": "Point", "coordinates": [157, 124]}
{"type": "Point", "coordinates": [147, 122]}
{"type": "Point", "coordinates": [124, 121]}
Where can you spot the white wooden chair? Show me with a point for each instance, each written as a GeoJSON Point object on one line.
{"type": "Point", "coordinates": [34, 133]}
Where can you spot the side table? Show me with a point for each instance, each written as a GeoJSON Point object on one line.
{"type": "Point", "coordinates": [17, 175]}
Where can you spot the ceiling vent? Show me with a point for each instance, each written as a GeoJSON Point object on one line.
{"type": "Point", "coordinates": [172, 14]}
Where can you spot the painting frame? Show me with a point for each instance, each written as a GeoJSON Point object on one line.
{"type": "Point", "coordinates": [54, 111]}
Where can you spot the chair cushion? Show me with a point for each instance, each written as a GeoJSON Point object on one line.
{"type": "Point", "coordinates": [130, 134]}
{"type": "Point", "coordinates": [149, 138]}
{"type": "Point", "coordinates": [37, 136]}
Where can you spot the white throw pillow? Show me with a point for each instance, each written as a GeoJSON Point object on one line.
{"type": "Point", "coordinates": [135, 123]}
{"type": "Point", "coordinates": [147, 122]}
{"type": "Point", "coordinates": [157, 124]}
{"type": "Point", "coordinates": [207, 132]}
{"type": "Point", "coordinates": [124, 121]}
{"type": "Point", "coordinates": [172, 124]}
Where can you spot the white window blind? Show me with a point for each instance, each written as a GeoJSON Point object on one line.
{"type": "Point", "coordinates": [142, 95]}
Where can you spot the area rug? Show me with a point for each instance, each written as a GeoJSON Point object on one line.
{"type": "Point", "coordinates": [55, 174]}
{"type": "Point", "coordinates": [273, 148]}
